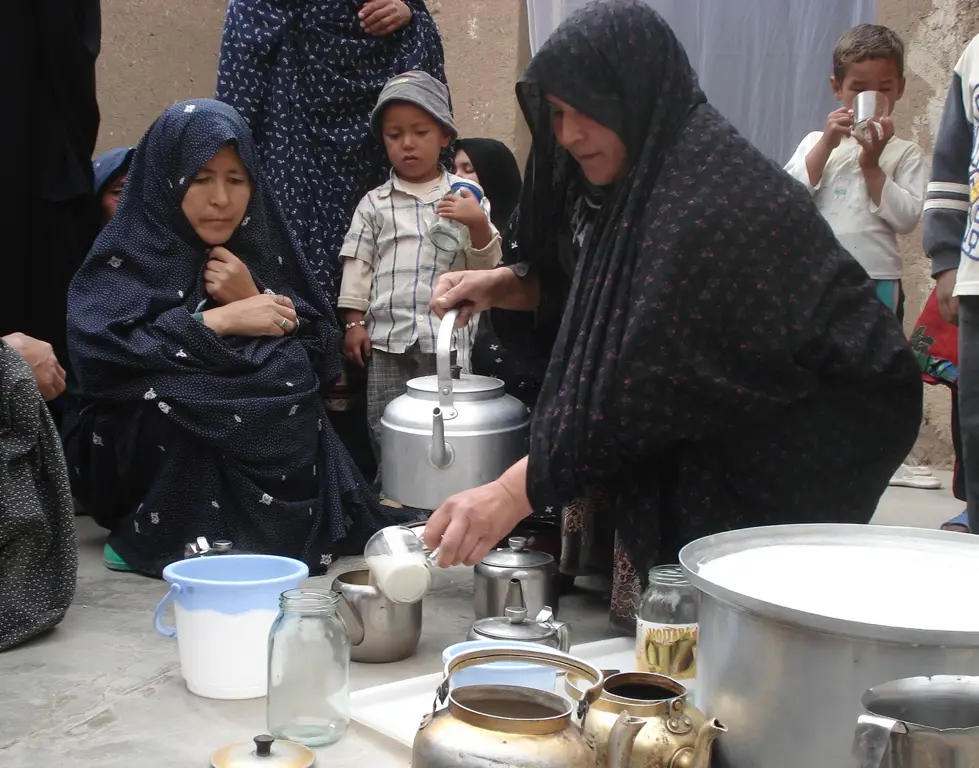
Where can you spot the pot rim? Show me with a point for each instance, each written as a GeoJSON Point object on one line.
{"type": "Point", "coordinates": [708, 548]}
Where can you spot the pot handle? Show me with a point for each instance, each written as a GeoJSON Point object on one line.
{"type": "Point", "coordinates": [350, 618]}
{"type": "Point", "coordinates": [554, 659]}
{"type": "Point", "coordinates": [165, 629]}
{"type": "Point", "coordinates": [871, 737]}
{"type": "Point", "coordinates": [443, 361]}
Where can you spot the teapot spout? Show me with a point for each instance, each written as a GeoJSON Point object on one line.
{"type": "Point", "coordinates": [440, 453]}
{"type": "Point", "coordinates": [699, 756]}
{"type": "Point", "coordinates": [622, 739]}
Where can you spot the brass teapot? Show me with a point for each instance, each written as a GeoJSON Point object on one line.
{"type": "Point", "coordinates": [675, 734]}
{"type": "Point", "coordinates": [509, 727]}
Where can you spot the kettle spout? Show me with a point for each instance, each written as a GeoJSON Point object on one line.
{"type": "Point", "coordinates": [622, 739]}
{"type": "Point", "coordinates": [699, 756]}
{"type": "Point", "coordinates": [440, 453]}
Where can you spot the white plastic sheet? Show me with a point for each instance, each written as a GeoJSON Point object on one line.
{"type": "Point", "coordinates": [765, 64]}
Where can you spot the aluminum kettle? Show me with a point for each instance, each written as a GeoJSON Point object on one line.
{"type": "Point", "coordinates": [449, 432]}
{"type": "Point", "coordinates": [919, 722]}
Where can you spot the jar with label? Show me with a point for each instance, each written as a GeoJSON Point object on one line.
{"type": "Point", "coordinates": [309, 669]}
{"type": "Point", "coordinates": [666, 625]}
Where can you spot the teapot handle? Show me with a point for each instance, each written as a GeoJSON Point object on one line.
{"type": "Point", "coordinates": [443, 361]}
{"type": "Point", "coordinates": [554, 659]}
{"type": "Point", "coordinates": [871, 737]}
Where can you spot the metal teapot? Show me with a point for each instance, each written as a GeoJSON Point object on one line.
{"type": "Point", "coordinates": [675, 734]}
{"type": "Point", "coordinates": [449, 432]}
{"type": "Point", "coordinates": [515, 626]}
{"type": "Point", "coordinates": [509, 727]}
{"type": "Point", "coordinates": [919, 722]}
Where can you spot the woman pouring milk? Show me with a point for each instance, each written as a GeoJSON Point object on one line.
{"type": "Point", "coordinates": [717, 343]}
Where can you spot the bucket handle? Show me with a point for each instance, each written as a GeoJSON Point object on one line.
{"type": "Point", "coordinates": [163, 629]}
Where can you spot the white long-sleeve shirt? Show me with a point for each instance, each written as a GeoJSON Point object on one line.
{"type": "Point", "coordinates": [869, 232]}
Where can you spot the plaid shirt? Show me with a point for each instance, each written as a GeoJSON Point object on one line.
{"type": "Point", "coordinates": [390, 266]}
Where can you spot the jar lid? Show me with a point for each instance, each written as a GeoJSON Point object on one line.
{"type": "Point", "coordinates": [513, 626]}
{"type": "Point", "coordinates": [516, 555]}
{"type": "Point", "coordinates": [263, 752]}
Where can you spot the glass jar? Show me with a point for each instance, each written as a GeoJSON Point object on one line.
{"type": "Point", "coordinates": [666, 625]}
{"type": "Point", "coordinates": [309, 669]}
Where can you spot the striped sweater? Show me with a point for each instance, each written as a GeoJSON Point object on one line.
{"type": "Point", "coordinates": [951, 218]}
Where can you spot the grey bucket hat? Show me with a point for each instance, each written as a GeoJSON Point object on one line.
{"type": "Point", "coordinates": [422, 90]}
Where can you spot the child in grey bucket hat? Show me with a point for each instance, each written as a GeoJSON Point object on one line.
{"type": "Point", "coordinates": [422, 90]}
{"type": "Point", "coordinates": [390, 262]}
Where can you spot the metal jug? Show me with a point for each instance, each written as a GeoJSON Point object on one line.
{"type": "Point", "coordinates": [919, 722]}
{"type": "Point", "coordinates": [506, 726]}
{"type": "Point", "coordinates": [449, 432]}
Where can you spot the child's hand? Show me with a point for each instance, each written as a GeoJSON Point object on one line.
{"type": "Point", "coordinates": [463, 208]}
{"type": "Point", "coordinates": [357, 345]}
{"type": "Point", "coordinates": [879, 133]}
{"type": "Point", "coordinates": [838, 127]}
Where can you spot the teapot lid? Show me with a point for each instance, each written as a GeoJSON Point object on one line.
{"type": "Point", "coordinates": [516, 555]}
{"type": "Point", "coordinates": [515, 626]}
{"type": "Point", "coordinates": [263, 752]}
{"type": "Point", "coordinates": [466, 384]}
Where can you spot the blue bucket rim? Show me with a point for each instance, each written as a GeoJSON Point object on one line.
{"type": "Point", "coordinates": [507, 665]}
{"type": "Point", "coordinates": [301, 571]}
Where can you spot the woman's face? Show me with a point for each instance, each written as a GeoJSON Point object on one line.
{"type": "Point", "coordinates": [464, 167]}
{"type": "Point", "coordinates": [217, 197]}
{"type": "Point", "coordinates": [599, 150]}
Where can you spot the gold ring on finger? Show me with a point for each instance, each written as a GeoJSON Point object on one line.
{"type": "Point", "coordinates": [284, 324]}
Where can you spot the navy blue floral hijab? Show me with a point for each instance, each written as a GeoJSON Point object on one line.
{"type": "Point", "coordinates": [245, 415]}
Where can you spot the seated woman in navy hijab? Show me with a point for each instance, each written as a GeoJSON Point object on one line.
{"type": "Point", "coordinates": [204, 347]}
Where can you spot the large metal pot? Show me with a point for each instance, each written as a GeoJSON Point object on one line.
{"type": "Point", "coordinates": [390, 630]}
{"type": "Point", "coordinates": [788, 683]}
{"type": "Point", "coordinates": [449, 432]}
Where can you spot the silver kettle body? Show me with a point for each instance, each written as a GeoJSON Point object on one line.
{"type": "Point", "coordinates": [450, 432]}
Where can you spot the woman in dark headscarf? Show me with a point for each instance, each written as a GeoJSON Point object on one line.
{"type": "Point", "coordinates": [203, 345]}
{"type": "Point", "coordinates": [717, 342]}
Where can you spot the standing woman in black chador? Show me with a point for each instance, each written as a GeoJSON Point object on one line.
{"type": "Point", "coordinates": [716, 341]}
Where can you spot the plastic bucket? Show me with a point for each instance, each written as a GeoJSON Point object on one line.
{"type": "Point", "coordinates": [224, 606]}
{"type": "Point", "coordinates": [520, 674]}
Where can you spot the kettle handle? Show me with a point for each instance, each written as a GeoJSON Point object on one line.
{"type": "Point", "coordinates": [871, 738]}
{"type": "Point", "coordinates": [554, 659]}
{"type": "Point", "coordinates": [443, 361]}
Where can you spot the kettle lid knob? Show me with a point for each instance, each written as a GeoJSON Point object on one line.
{"type": "Point", "coordinates": [515, 615]}
{"type": "Point", "coordinates": [263, 745]}
{"type": "Point", "coordinates": [517, 543]}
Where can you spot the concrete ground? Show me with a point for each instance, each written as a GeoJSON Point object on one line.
{"type": "Point", "coordinates": [104, 689]}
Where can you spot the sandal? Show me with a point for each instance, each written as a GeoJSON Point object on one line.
{"type": "Point", "coordinates": [112, 561]}
{"type": "Point", "coordinates": [958, 524]}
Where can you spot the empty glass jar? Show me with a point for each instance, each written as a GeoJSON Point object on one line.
{"type": "Point", "coordinates": [666, 625]}
{"type": "Point", "coordinates": [309, 669]}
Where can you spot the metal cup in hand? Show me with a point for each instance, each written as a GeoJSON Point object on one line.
{"type": "Point", "coordinates": [868, 107]}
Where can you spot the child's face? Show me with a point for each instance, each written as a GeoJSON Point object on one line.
{"type": "Point", "coordinates": [464, 167]}
{"type": "Point", "coordinates": [110, 197]}
{"type": "Point", "coordinates": [881, 75]}
{"type": "Point", "coordinates": [218, 196]}
{"type": "Point", "coordinates": [413, 141]}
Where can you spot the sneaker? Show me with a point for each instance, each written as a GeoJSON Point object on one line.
{"type": "Point", "coordinates": [909, 476]}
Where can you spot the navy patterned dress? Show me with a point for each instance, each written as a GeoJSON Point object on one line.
{"type": "Point", "coordinates": [305, 77]}
{"type": "Point", "coordinates": [184, 433]}
{"type": "Point", "coordinates": [720, 354]}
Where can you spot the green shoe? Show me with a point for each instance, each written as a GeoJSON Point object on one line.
{"type": "Point", "coordinates": [112, 561]}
